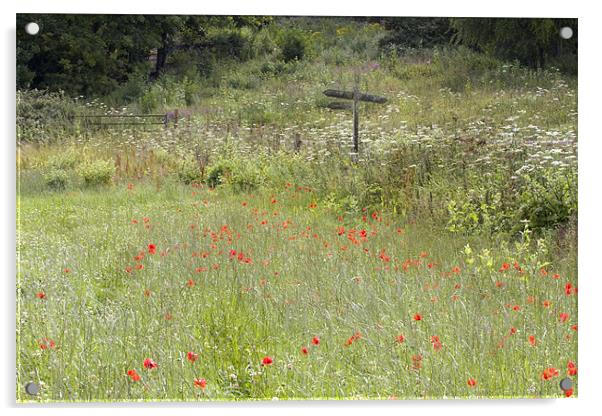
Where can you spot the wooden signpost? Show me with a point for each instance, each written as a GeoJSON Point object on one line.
{"type": "Point", "coordinates": [356, 96]}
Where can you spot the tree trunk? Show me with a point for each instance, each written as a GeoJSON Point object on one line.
{"type": "Point", "coordinates": [161, 57]}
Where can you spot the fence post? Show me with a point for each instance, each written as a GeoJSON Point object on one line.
{"type": "Point", "coordinates": [356, 120]}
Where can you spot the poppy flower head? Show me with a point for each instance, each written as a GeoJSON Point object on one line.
{"type": "Point", "coordinates": [571, 369]}
{"type": "Point", "coordinates": [471, 382]}
{"type": "Point", "coordinates": [200, 383]}
{"type": "Point", "coordinates": [41, 295]}
{"type": "Point", "coordinates": [549, 373]}
{"type": "Point", "coordinates": [304, 350]}
{"type": "Point", "coordinates": [417, 317]}
{"type": "Point", "coordinates": [191, 356]}
{"type": "Point", "coordinates": [315, 340]}
{"type": "Point", "coordinates": [267, 360]}
{"type": "Point", "coordinates": [133, 374]}
{"type": "Point", "coordinates": [149, 364]}
{"type": "Point", "coordinates": [152, 249]}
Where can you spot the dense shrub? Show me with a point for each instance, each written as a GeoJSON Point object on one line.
{"type": "Point", "coordinates": [97, 172]}
{"type": "Point", "coordinates": [56, 179]}
{"type": "Point", "coordinates": [188, 171]}
{"type": "Point", "coordinates": [43, 116]}
{"type": "Point", "coordinates": [293, 46]}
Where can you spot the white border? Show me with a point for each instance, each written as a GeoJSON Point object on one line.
{"type": "Point", "coordinates": [590, 137]}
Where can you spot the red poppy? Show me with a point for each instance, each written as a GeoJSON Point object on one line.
{"type": "Point", "coordinates": [568, 393]}
{"type": "Point", "coordinates": [569, 289]}
{"type": "Point", "coordinates": [456, 269]}
{"type": "Point", "coordinates": [549, 373]}
{"type": "Point", "coordinates": [191, 356]}
{"type": "Point", "coordinates": [47, 343]}
{"type": "Point", "coordinates": [304, 350]}
{"type": "Point", "coordinates": [134, 375]}
{"type": "Point", "coordinates": [400, 338]}
{"type": "Point", "coordinates": [200, 383]}
{"type": "Point", "coordinates": [505, 266]}
{"type": "Point", "coordinates": [513, 330]}
{"type": "Point", "coordinates": [563, 317]}
{"type": "Point", "coordinates": [41, 295]}
{"type": "Point", "coordinates": [417, 317]}
{"type": "Point", "coordinates": [152, 249]}
{"type": "Point", "coordinates": [190, 283]}
{"type": "Point", "coordinates": [149, 364]}
{"type": "Point", "coordinates": [571, 369]}
{"type": "Point", "coordinates": [417, 361]}
{"type": "Point", "coordinates": [315, 340]}
{"type": "Point", "coordinates": [353, 338]}
{"type": "Point", "coordinates": [471, 382]}
{"type": "Point", "coordinates": [532, 340]}
{"type": "Point", "coordinates": [267, 360]}
{"type": "Point", "coordinates": [66, 270]}
{"type": "Point", "coordinates": [437, 345]}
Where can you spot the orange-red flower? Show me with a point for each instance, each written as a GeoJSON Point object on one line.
{"type": "Point", "coordinates": [353, 338]}
{"type": "Point", "coordinates": [304, 350]}
{"type": "Point", "coordinates": [149, 364]}
{"type": "Point", "coordinates": [532, 340]}
{"type": "Point", "coordinates": [200, 383]}
{"type": "Point", "coordinates": [569, 289]}
{"type": "Point", "coordinates": [133, 374]}
{"type": "Point", "coordinates": [471, 382]}
{"type": "Point", "coordinates": [549, 373]}
{"type": "Point", "coordinates": [315, 340]}
{"type": "Point", "coordinates": [47, 343]}
{"type": "Point", "coordinates": [191, 356]}
{"type": "Point", "coordinates": [437, 345]}
{"type": "Point", "coordinates": [41, 295]}
{"type": "Point", "coordinates": [267, 360]}
{"type": "Point", "coordinates": [571, 369]}
{"type": "Point", "coordinates": [417, 317]}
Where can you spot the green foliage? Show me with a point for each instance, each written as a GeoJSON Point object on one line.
{"type": "Point", "coordinates": [533, 42]}
{"type": "Point", "coordinates": [548, 199]}
{"type": "Point", "coordinates": [97, 172]}
{"type": "Point", "coordinates": [188, 171]}
{"type": "Point", "coordinates": [415, 32]}
{"type": "Point", "coordinates": [43, 116]}
{"type": "Point", "coordinates": [292, 46]}
{"type": "Point", "coordinates": [68, 159]}
{"type": "Point", "coordinates": [56, 179]}
{"type": "Point", "coordinates": [216, 173]}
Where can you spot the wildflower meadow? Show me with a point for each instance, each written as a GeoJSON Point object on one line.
{"type": "Point", "coordinates": [248, 253]}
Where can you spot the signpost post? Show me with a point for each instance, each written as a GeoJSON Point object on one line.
{"type": "Point", "coordinates": [356, 96]}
